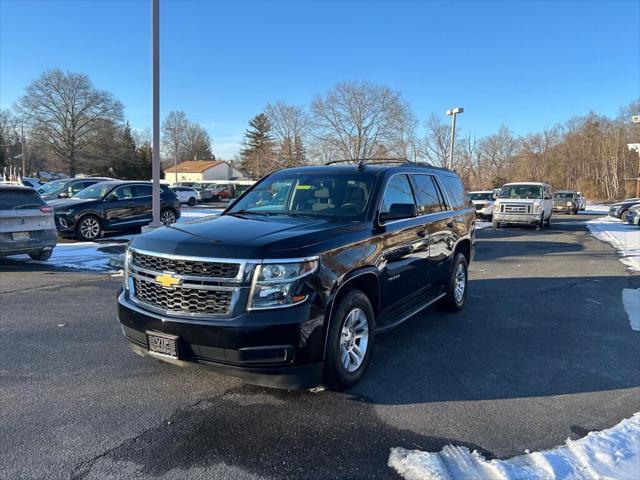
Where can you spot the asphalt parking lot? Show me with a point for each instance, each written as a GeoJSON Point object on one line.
{"type": "Point", "coordinates": [542, 352]}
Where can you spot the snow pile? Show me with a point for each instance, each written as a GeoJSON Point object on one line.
{"type": "Point", "coordinates": [191, 213]}
{"type": "Point", "coordinates": [610, 454]}
{"type": "Point", "coordinates": [595, 209]}
{"type": "Point", "coordinates": [80, 256]}
{"type": "Point", "coordinates": [631, 302]}
{"type": "Point", "coordinates": [623, 237]}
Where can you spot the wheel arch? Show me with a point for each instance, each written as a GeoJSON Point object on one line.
{"type": "Point", "coordinates": [463, 246]}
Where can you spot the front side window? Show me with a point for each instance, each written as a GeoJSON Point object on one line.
{"type": "Point", "coordinates": [427, 196]}
{"type": "Point", "coordinates": [94, 192]}
{"type": "Point", "coordinates": [124, 193]}
{"type": "Point", "coordinates": [334, 195]}
{"type": "Point", "coordinates": [398, 191]}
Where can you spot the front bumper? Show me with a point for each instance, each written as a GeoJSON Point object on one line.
{"type": "Point", "coordinates": [523, 218]}
{"type": "Point", "coordinates": [564, 208]}
{"type": "Point", "coordinates": [39, 240]}
{"type": "Point", "coordinates": [280, 348]}
{"type": "Point", "coordinates": [615, 212]}
{"type": "Point", "coordinates": [633, 217]}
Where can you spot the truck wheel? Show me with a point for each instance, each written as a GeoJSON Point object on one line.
{"type": "Point", "coordinates": [456, 287]}
{"type": "Point", "coordinates": [41, 255]}
{"type": "Point", "coordinates": [540, 225]}
{"type": "Point", "coordinates": [350, 341]}
{"type": "Point", "coordinates": [495, 224]}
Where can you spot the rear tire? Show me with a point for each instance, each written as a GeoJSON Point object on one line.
{"type": "Point", "coordinates": [168, 216]}
{"type": "Point", "coordinates": [41, 255]}
{"type": "Point", "coordinates": [456, 287]}
{"type": "Point", "coordinates": [191, 202]}
{"type": "Point", "coordinates": [89, 228]}
{"type": "Point", "coordinates": [350, 341]}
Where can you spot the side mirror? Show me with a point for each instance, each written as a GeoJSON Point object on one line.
{"type": "Point", "coordinates": [63, 195]}
{"type": "Point", "coordinates": [398, 211]}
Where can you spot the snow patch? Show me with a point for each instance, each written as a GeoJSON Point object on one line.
{"type": "Point", "coordinates": [92, 256]}
{"type": "Point", "coordinates": [609, 454]}
{"type": "Point", "coordinates": [595, 209]}
{"type": "Point", "coordinates": [623, 237]}
{"type": "Point", "coordinates": [189, 214]}
{"type": "Point", "coordinates": [631, 302]}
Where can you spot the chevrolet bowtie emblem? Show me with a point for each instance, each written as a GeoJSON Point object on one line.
{"type": "Point", "coordinates": [167, 280]}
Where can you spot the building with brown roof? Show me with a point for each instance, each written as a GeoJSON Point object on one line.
{"type": "Point", "coordinates": [199, 170]}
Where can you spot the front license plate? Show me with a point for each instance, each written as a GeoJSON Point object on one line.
{"type": "Point", "coordinates": [20, 235]}
{"type": "Point", "coordinates": [163, 344]}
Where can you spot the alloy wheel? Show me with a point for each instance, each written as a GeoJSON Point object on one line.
{"type": "Point", "coordinates": [168, 217]}
{"type": "Point", "coordinates": [461, 283]}
{"type": "Point", "coordinates": [354, 340]}
{"type": "Point", "coordinates": [90, 228]}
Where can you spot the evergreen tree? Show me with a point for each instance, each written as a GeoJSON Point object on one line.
{"type": "Point", "coordinates": [257, 153]}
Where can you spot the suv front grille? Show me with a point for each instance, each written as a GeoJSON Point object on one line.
{"type": "Point", "coordinates": [177, 286]}
{"type": "Point", "coordinates": [183, 300]}
{"type": "Point", "coordinates": [186, 267]}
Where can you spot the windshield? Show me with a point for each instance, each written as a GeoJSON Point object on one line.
{"type": "Point", "coordinates": [521, 191]}
{"type": "Point", "coordinates": [54, 187]}
{"type": "Point", "coordinates": [324, 195]}
{"type": "Point", "coordinates": [567, 195]}
{"type": "Point", "coordinates": [481, 196]}
{"type": "Point", "coordinates": [94, 192]}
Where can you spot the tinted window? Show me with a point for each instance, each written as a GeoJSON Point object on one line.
{"type": "Point", "coordinates": [77, 186]}
{"type": "Point", "coordinates": [125, 192]}
{"type": "Point", "coordinates": [455, 191]}
{"type": "Point", "coordinates": [11, 199]}
{"type": "Point", "coordinates": [142, 190]}
{"type": "Point", "coordinates": [427, 196]}
{"type": "Point", "coordinates": [398, 191]}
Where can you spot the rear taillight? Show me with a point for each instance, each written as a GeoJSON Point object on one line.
{"type": "Point", "coordinates": [46, 209]}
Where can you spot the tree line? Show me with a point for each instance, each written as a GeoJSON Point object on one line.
{"type": "Point", "coordinates": [68, 124]}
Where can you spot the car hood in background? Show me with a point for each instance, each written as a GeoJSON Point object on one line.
{"type": "Point", "coordinates": [250, 237]}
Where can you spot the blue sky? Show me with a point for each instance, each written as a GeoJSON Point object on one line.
{"type": "Point", "coordinates": [526, 64]}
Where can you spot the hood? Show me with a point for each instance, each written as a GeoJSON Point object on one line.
{"type": "Point", "coordinates": [62, 204]}
{"type": "Point", "coordinates": [251, 237]}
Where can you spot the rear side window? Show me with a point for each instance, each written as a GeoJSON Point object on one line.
{"type": "Point", "coordinates": [11, 199]}
{"type": "Point", "coordinates": [142, 190]}
{"type": "Point", "coordinates": [455, 191]}
{"type": "Point", "coordinates": [398, 191]}
{"type": "Point", "coordinates": [427, 196]}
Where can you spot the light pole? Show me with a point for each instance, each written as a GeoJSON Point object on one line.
{"type": "Point", "coordinates": [155, 158]}
{"type": "Point", "coordinates": [636, 146]}
{"type": "Point", "coordinates": [453, 112]}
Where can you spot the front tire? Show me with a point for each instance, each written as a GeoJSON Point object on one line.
{"type": "Point", "coordinates": [625, 216]}
{"type": "Point", "coordinates": [350, 341]}
{"type": "Point", "coordinates": [495, 224]}
{"type": "Point", "coordinates": [456, 287]}
{"type": "Point", "coordinates": [88, 228]}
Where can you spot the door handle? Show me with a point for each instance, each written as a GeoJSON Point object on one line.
{"type": "Point", "coordinates": [422, 233]}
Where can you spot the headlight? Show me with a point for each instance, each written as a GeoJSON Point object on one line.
{"type": "Point", "coordinates": [125, 268]}
{"type": "Point", "coordinates": [569, 204]}
{"type": "Point", "coordinates": [537, 208]}
{"type": "Point", "coordinates": [276, 284]}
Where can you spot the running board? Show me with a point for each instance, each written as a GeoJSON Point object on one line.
{"type": "Point", "coordinates": [411, 313]}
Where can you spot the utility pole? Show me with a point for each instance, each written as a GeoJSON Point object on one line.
{"type": "Point", "coordinates": [453, 112]}
{"type": "Point", "coordinates": [155, 159]}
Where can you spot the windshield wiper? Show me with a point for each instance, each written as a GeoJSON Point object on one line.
{"type": "Point", "coordinates": [250, 212]}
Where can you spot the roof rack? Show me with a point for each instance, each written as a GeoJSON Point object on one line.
{"type": "Point", "coordinates": [362, 162]}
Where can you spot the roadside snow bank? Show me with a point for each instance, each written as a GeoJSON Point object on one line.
{"type": "Point", "coordinates": [610, 454]}
{"type": "Point", "coordinates": [631, 302]}
{"type": "Point", "coordinates": [623, 237]}
{"type": "Point", "coordinates": [595, 209]}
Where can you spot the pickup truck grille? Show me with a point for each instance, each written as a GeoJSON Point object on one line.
{"type": "Point", "coordinates": [178, 286]}
{"type": "Point", "coordinates": [186, 267]}
{"type": "Point", "coordinates": [516, 208]}
{"type": "Point", "coordinates": [183, 300]}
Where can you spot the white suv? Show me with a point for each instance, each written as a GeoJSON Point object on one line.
{"type": "Point", "coordinates": [482, 202]}
{"type": "Point", "coordinates": [529, 203]}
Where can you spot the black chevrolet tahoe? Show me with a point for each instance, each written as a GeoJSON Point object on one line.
{"type": "Point", "coordinates": [289, 286]}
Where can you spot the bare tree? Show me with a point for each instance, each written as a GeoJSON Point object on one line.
{"type": "Point", "coordinates": [290, 125]}
{"type": "Point", "coordinates": [358, 119]}
{"type": "Point", "coordinates": [437, 141]}
{"type": "Point", "coordinates": [184, 140]}
{"type": "Point", "coordinates": [67, 111]}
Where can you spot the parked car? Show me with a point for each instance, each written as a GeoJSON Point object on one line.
{"type": "Point", "coordinates": [31, 182]}
{"type": "Point", "coordinates": [621, 209]}
{"type": "Point", "coordinates": [291, 284]}
{"type": "Point", "coordinates": [633, 215]}
{"type": "Point", "coordinates": [528, 203]}
{"type": "Point", "coordinates": [566, 201]}
{"type": "Point", "coordinates": [582, 201]}
{"type": "Point", "coordinates": [67, 187]}
{"type": "Point", "coordinates": [186, 195]}
{"type": "Point", "coordinates": [112, 206]}
{"type": "Point", "coordinates": [203, 194]}
{"type": "Point", "coordinates": [483, 201]}
{"type": "Point", "coordinates": [26, 223]}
